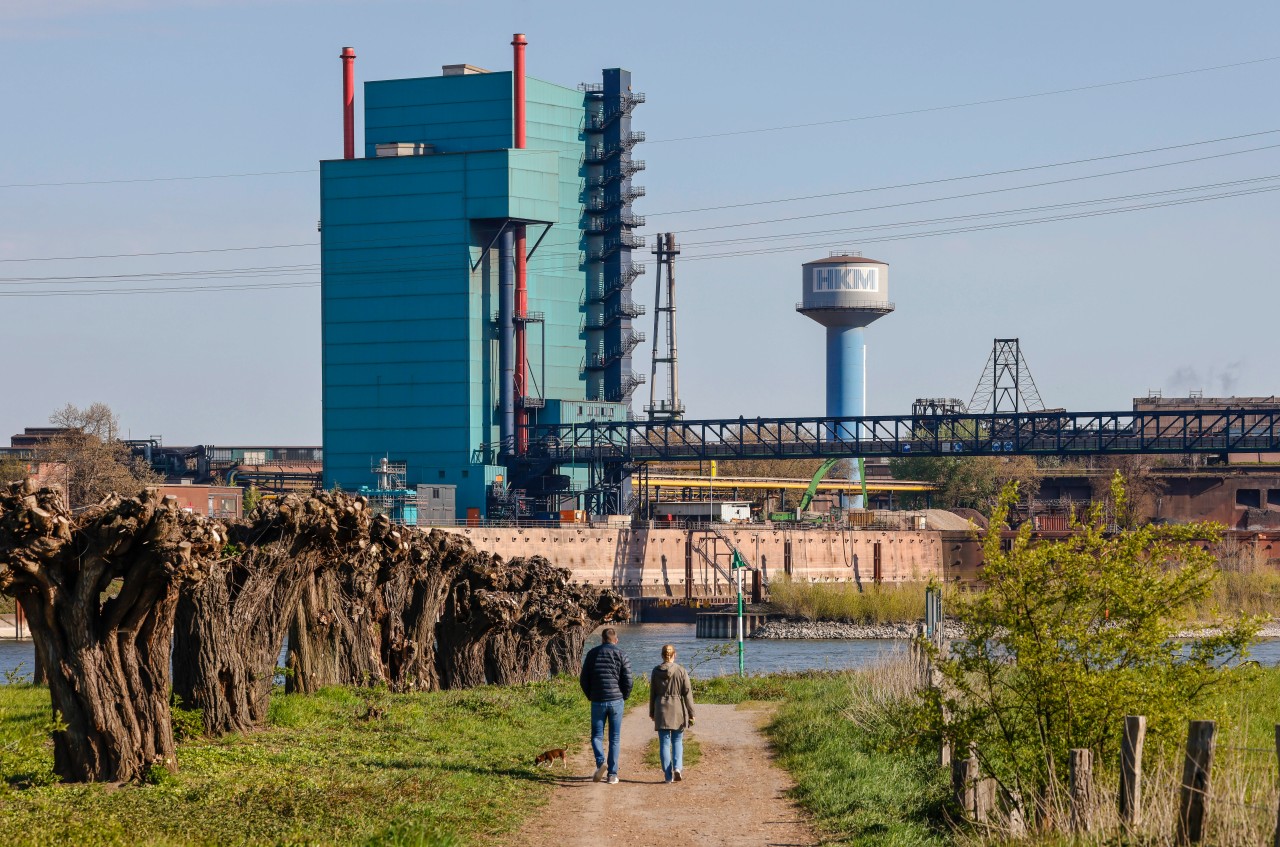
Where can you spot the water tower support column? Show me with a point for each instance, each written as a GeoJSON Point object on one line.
{"type": "Point", "coordinates": [847, 383]}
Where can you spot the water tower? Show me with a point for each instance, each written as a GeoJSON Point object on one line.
{"type": "Point", "coordinates": [845, 292]}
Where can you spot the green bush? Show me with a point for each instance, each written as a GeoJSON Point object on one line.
{"type": "Point", "coordinates": [1071, 636]}
{"type": "Point", "coordinates": [187, 723]}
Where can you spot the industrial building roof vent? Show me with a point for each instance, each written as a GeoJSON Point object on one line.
{"type": "Point", "coordinates": [857, 254]}
{"type": "Point", "coordinates": [462, 70]}
{"type": "Point", "coordinates": [403, 148]}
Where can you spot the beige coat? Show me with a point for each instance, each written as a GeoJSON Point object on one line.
{"type": "Point", "coordinates": [670, 697]}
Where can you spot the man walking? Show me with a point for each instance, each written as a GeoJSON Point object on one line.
{"type": "Point", "coordinates": [606, 680]}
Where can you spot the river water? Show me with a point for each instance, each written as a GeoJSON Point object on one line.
{"type": "Point", "coordinates": [706, 657]}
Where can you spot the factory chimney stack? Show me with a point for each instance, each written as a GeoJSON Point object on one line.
{"type": "Point", "coordinates": [348, 102]}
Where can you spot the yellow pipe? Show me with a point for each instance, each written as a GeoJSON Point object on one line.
{"type": "Point", "coordinates": [724, 483]}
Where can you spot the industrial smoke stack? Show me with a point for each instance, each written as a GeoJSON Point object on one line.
{"type": "Point", "coordinates": [845, 292]}
{"type": "Point", "coordinates": [348, 102]}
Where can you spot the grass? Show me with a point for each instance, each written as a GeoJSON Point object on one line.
{"type": "Point", "coordinates": [873, 604]}
{"type": "Point", "coordinates": [448, 768]}
{"type": "Point", "coordinates": [858, 785]}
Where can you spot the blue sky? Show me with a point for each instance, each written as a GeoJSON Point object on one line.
{"type": "Point", "coordinates": [1107, 307]}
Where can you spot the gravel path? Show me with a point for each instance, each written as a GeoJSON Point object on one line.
{"type": "Point", "coordinates": [735, 796]}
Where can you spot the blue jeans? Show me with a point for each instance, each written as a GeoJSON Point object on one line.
{"type": "Point", "coordinates": [611, 711]}
{"type": "Point", "coordinates": [671, 751]}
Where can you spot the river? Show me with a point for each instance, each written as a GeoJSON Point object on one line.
{"type": "Point", "coordinates": [704, 656]}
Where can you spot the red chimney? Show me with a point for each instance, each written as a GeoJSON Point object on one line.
{"type": "Point", "coordinates": [518, 41]}
{"type": "Point", "coordinates": [348, 102]}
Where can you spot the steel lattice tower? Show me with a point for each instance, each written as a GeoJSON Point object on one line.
{"type": "Point", "coordinates": [1006, 385]}
{"type": "Point", "coordinates": [670, 408]}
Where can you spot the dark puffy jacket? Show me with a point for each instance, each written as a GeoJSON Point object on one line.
{"type": "Point", "coordinates": [606, 674]}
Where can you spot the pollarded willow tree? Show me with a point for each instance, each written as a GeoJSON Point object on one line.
{"type": "Point", "coordinates": [229, 628]}
{"type": "Point", "coordinates": [509, 622]}
{"type": "Point", "coordinates": [100, 589]}
{"type": "Point", "coordinates": [115, 591]}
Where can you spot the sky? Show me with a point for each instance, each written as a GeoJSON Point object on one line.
{"type": "Point", "coordinates": [110, 100]}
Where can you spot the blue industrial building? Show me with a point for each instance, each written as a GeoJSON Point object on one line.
{"type": "Point", "coordinates": [426, 300]}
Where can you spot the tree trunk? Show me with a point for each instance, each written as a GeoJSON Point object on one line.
{"type": "Point", "coordinates": [106, 655]}
{"type": "Point", "coordinates": [231, 628]}
{"type": "Point", "coordinates": [504, 622]}
{"type": "Point", "coordinates": [372, 618]}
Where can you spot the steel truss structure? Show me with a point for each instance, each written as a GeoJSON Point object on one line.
{"type": "Point", "coordinates": [1213, 431]}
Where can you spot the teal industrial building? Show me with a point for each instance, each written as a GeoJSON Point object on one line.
{"type": "Point", "coordinates": [476, 277]}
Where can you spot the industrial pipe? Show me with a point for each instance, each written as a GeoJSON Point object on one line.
{"type": "Point", "coordinates": [348, 102]}
{"type": "Point", "coordinates": [518, 43]}
{"type": "Point", "coordinates": [506, 340]}
{"type": "Point", "coordinates": [521, 374]}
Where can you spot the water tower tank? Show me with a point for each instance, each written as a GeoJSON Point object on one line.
{"type": "Point", "coordinates": [845, 292]}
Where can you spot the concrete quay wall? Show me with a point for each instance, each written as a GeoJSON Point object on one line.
{"type": "Point", "coordinates": [692, 564]}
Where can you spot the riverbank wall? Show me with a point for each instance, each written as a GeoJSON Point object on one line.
{"type": "Point", "coordinates": [695, 565]}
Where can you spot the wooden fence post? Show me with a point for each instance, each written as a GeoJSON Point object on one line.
{"type": "Point", "coordinates": [1193, 799]}
{"type": "Point", "coordinates": [1017, 816]}
{"type": "Point", "coordinates": [1277, 836]}
{"type": "Point", "coordinates": [965, 774]}
{"type": "Point", "coordinates": [1081, 789]}
{"type": "Point", "coordinates": [944, 749]}
{"type": "Point", "coordinates": [1135, 733]}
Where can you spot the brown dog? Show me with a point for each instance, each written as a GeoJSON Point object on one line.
{"type": "Point", "coordinates": [549, 758]}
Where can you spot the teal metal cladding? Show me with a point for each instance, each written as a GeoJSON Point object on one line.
{"type": "Point", "coordinates": [409, 293]}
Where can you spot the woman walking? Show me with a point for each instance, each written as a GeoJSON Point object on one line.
{"type": "Point", "coordinates": [671, 707]}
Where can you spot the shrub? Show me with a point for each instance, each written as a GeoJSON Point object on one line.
{"type": "Point", "coordinates": [1070, 636]}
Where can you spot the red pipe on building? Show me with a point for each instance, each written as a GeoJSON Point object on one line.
{"type": "Point", "coordinates": [518, 43]}
{"type": "Point", "coordinates": [348, 102]}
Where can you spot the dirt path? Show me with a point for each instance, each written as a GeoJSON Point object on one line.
{"type": "Point", "coordinates": [734, 796]}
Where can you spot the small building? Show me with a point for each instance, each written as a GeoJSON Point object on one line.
{"type": "Point", "coordinates": [708, 511]}
{"type": "Point", "coordinates": [216, 501]}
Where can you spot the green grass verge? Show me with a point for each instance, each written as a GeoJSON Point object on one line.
{"type": "Point", "coordinates": [436, 769]}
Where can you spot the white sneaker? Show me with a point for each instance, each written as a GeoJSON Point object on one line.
{"type": "Point", "coordinates": [598, 776]}
{"type": "Point", "coordinates": [613, 780]}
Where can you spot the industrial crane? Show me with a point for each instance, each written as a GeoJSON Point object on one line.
{"type": "Point", "coordinates": [807, 497]}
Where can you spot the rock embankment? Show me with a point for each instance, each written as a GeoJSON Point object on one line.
{"type": "Point", "coordinates": [798, 628]}
{"type": "Point", "coordinates": [833, 630]}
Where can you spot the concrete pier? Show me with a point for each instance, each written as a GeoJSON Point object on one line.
{"type": "Point", "coordinates": [720, 623]}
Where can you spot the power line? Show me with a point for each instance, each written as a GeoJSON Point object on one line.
{"type": "Point", "coordinates": [365, 267]}
{"type": "Point", "coordinates": [717, 208]}
{"type": "Point", "coordinates": [1000, 225]}
{"type": "Point", "coordinates": [753, 131]}
{"type": "Point", "coordinates": [152, 179]}
{"type": "Point", "coordinates": [983, 193]}
{"type": "Point", "coordinates": [162, 253]}
{"type": "Point", "coordinates": [1000, 213]}
{"type": "Point", "coordinates": [966, 177]}
{"type": "Point", "coordinates": [965, 105]}
{"type": "Point", "coordinates": [710, 256]}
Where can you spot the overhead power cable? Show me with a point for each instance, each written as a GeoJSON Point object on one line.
{"type": "Point", "coordinates": [402, 265]}
{"type": "Point", "coordinates": [710, 256]}
{"type": "Point", "coordinates": [983, 175]}
{"type": "Point", "coordinates": [1000, 225]}
{"type": "Point", "coordinates": [964, 105]}
{"type": "Point", "coordinates": [984, 193]}
{"type": "Point", "coordinates": [749, 131]}
{"type": "Point", "coordinates": [705, 208]}
{"type": "Point", "coordinates": [152, 179]}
